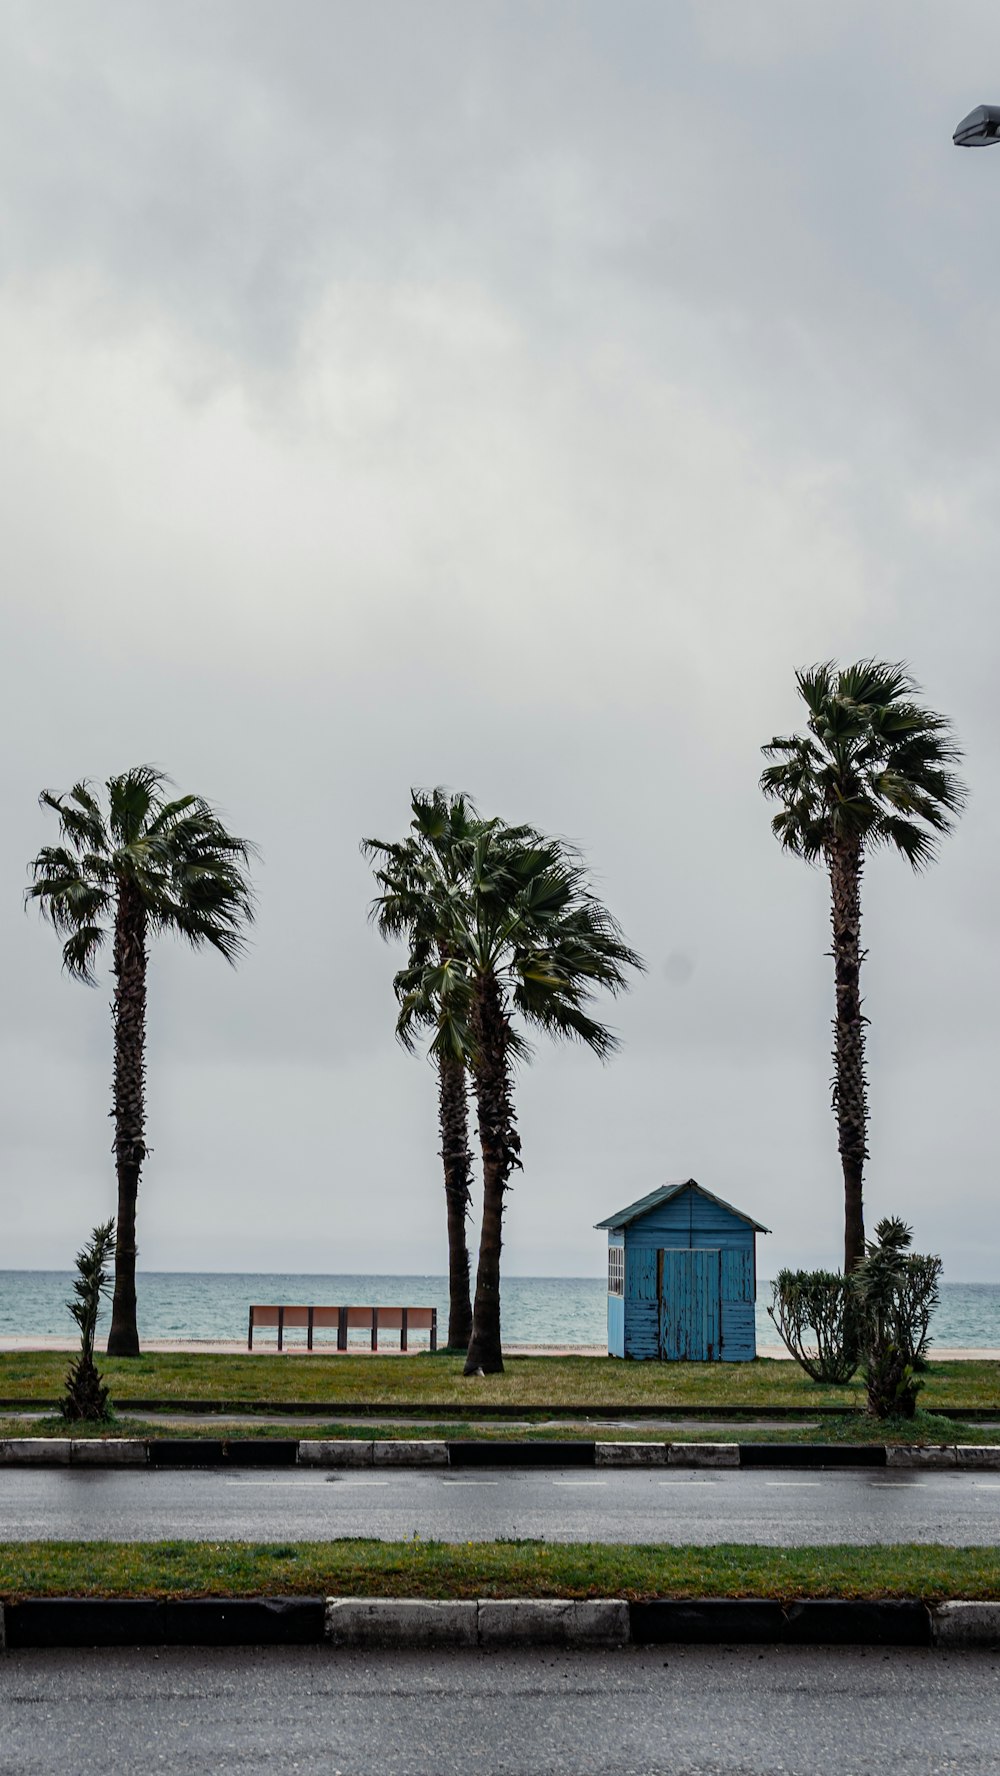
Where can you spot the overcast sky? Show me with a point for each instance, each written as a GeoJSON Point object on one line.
{"type": "Point", "coordinates": [508, 396]}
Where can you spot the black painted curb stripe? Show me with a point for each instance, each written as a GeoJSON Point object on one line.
{"type": "Point", "coordinates": [522, 1455]}
{"type": "Point", "coordinates": [237, 1621]}
{"type": "Point", "coordinates": [819, 1621]}
{"type": "Point", "coordinates": [812, 1455]}
{"type": "Point", "coordinates": [235, 1452]}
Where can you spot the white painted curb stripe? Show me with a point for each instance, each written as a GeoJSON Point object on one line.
{"type": "Point", "coordinates": [966, 1625]}
{"type": "Point", "coordinates": [390, 1622]}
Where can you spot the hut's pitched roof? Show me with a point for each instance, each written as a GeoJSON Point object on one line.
{"type": "Point", "coordinates": [624, 1216]}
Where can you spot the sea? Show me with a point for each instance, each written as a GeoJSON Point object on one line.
{"type": "Point", "coordinates": [210, 1305]}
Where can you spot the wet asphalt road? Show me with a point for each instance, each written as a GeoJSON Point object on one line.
{"type": "Point", "coordinates": [779, 1508]}
{"type": "Point", "coordinates": [692, 1711]}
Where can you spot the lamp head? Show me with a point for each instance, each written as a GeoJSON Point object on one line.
{"type": "Point", "coordinates": [980, 129]}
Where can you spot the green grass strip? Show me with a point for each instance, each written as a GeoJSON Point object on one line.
{"type": "Point", "coordinates": [530, 1382]}
{"type": "Point", "coordinates": [491, 1569]}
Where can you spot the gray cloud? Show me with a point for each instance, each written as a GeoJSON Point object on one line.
{"type": "Point", "coordinates": [511, 397]}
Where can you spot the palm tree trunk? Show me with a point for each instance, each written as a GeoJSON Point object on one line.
{"type": "Point", "coordinates": [850, 1092]}
{"type": "Point", "coordinates": [501, 1146]}
{"type": "Point", "coordinates": [453, 1109]}
{"type": "Point", "coordinates": [129, 1094]}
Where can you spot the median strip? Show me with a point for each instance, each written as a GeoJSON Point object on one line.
{"type": "Point", "coordinates": [361, 1567]}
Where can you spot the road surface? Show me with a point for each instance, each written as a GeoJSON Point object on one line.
{"type": "Point", "coordinates": [780, 1508]}
{"type": "Point", "coordinates": [695, 1711]}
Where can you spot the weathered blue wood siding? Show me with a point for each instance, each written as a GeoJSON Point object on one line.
{"type": "Point", "coordinates": [739, 1326]}
{"type": "Point", "coordinates": [642, 1306]}
{"type": "Point", "coordinates": [690, 1283]}
{"type": "Point", "coordinates": [690, 1304]}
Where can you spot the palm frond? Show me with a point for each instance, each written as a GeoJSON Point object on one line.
{"type": "Point", "coordinates": [132, 796]}
{"type": "Point", "coordinates": [80, 950]}
{"type": "Point", "coordinates": [191, 875]}
{"type": "Point", "coordinates": [874, 766]}
{"type": "Point", "coordinates": [476, 898]}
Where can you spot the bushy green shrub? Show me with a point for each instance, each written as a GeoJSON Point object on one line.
{"type": "Point", "coordinates": [812, 1310]}
{"type": "Point", "coordinates": [918, 1293]}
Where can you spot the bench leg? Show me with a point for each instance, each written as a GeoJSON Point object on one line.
{"type": "Point", "coordinates": [403, 1330]}
{"type": "Point", "coordinates": [281, 1328]}
{"type": "Point", "coordinates": [342, 1329]}
{"type": "Point", "coordinates": [374, 1328]}
{"type": "Point", "coordinates": [309, 1337]}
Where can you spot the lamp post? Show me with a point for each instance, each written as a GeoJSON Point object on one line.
{"type": "Point", "coordinates": [980, 129]}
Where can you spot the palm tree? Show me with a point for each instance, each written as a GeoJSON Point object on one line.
{"type": "Point", "coordinates": [148, 865]}
{"type": "Point", "coordinates": [523, 936]}
{"type": "Point", "coordinates": [415, 879]}
{"type": "Point", "coordinates": [872, 771]}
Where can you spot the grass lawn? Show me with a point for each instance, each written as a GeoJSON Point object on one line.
{"type": "Point", "coordinates": [490, 1569]}
{"type": "Point", "coordinates": [437, 1382]}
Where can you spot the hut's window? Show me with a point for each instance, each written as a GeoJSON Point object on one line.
{"type": "Point", "coordinates": [616, 1270]}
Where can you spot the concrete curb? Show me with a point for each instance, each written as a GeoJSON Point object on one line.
{"type": "Point", "coordinates": [404, 1623]}
{"type": "Point", "coordinates": [283, 1452]}
{"type": "Point", "coordinates": [966, 1624]}
{"type": "Point", "coordinates": [393, 1622]}
{"type": "Point", "coordinates": [552, 1621]}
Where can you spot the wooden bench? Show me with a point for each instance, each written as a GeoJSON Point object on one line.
{"type": "Point", "coordinates": [403, 1320]}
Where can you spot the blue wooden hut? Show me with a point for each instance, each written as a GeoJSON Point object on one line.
{"type": "Point", "coordinates": [682, 1277]}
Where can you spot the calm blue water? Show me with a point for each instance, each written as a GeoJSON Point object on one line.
{"type": "Point", "coordinates": [536, 1310]}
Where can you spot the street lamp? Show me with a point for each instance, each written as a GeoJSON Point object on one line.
{"type": "Point", "coordinates": [980, 129]}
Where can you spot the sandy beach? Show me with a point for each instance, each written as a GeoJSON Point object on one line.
{"type": "Point", "coordinates": [235, 1346]}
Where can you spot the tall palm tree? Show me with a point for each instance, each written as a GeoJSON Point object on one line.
{"type": "Point", "coordinates": [872, 771]}
{"type": "Point", "coordinates": [146, 865]}
{"type": "Point", "coordinates": [415, 879]}
{"type": "Point", "coordinates": [525, 938]}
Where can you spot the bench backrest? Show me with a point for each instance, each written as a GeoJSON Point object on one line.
{"type": "Point", "coordinates": [420, 1319]}
{"type": "Point", "coordinates": [290, 1316]}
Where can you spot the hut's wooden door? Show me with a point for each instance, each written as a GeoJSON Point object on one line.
{"type": "Point", "coordinates": [689, 1288]}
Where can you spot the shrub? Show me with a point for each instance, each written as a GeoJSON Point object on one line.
{"type": "Point", "coordinates": [896, 1292]}
{"type": "Point", "coordinates": [813, 1311]}
{"type": "Point", "coordinates": [918, 1294]}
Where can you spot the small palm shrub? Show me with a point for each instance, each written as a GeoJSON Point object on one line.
{"type": "Point", "coordinates": [812, 1310]}
{"type": "Point", "coordinates": [86, 1397]}
{"type": "Point", "coordinates": [896, 1291]}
